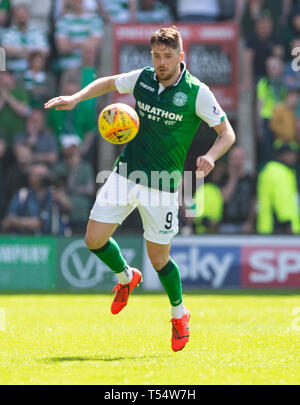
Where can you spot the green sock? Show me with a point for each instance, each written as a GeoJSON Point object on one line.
{"type": "Point", "coordinates": [169, 276]}
{"type": "Point", "coordinates": [111, 255]}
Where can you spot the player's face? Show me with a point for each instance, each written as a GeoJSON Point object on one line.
{"type": "Point", "coordinates": [166, 61]}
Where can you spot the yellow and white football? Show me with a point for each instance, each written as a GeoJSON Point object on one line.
{"type": "Point", "coordinates": [118, 123]}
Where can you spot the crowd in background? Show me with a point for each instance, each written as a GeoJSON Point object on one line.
{"type": "Point", "coordinates": [48, 161]}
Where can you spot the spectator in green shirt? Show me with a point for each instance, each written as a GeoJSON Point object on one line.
{"type": "Point", "coordinates": [72, 31]}
{"type": "Point", "coordinates": [39, 82]}
{"type": "Point", "coordinates": [118, 11]}
{"type": "Point", "coordinates": [152, 11]}
{"type": "Point", "coordinates": [19, 41]}
{"type": "Point", "coordinates": [270, 91]}
{"type": "Point", "coordinates": [4, 9]}
{"type": "Point", "coordinates": [63, 122]}
{"type": "Point", "coordinates": [13, 107]}
{"type": "Point", "coordinates": [277, 193]}
{"type": "Point", "coordinates": [2, 177]}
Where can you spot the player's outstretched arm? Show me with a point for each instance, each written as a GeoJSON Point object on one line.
{"type": "Point", "coordinates": [95, 89]}
{"type": "Point", "coordinates": [226, 138]}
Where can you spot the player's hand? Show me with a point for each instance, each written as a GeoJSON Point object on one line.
{"type": "Point", "coordinates": [204, 164]}
{"type": "Point", "coordinates": [62, 102]}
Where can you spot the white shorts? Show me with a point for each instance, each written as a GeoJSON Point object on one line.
{"type": "Point", "coordinates": [158, 209]}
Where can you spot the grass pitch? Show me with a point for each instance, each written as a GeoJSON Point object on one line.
{"type": "Point", "coordinates": [236, 338]}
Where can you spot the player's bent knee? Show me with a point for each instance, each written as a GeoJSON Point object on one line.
{"type": "Point", "coordinates": [93, 242]}
{"type": "Point", "coordinates": [158, 262]}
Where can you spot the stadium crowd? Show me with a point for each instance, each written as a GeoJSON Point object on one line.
{"type": "Point", "coordinates": [48, 160]}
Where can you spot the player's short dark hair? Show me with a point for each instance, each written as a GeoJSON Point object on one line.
{"type": "Point", "coordinates": [169, 36]}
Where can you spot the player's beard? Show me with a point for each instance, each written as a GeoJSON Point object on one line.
{"type": "Point", "coordinates": [167, 76]}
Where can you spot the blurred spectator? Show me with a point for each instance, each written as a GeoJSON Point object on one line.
{"type": "Point", "coordinates": [260, 44]}
{"type": "Point", "coordinates": [4, 14]}
{"type": "Point", "coordinates": [277, 193]}
{"type": "Point", "coordinates": [42, 142]}
{"type": "Point", "coordinates": [73, 30]}
{"type": "Point", "coordinates": [291, 75]}
{"type": "Point", "coordinates": [209, 202]}
{"type": "Point", "coordinates": [238, 191]}
{"type": "Point", "coordinates": [13, 106]}
{"type": "Point", "coordinates": [152, 11]}
{"type": "Point", "coordinates": [3, 163]}
{"type": "Point", "coordinates": [270, 91]}
{"type": "Point", "coordinates": [39, 13]}
{"type": "Point", "coordinates": [16, 176]}
{"type": "Point", "coordinates": [292, 30]}
{"type": "Point", "coordinates": [198, 11]}
{"type": "Point", "coordinates": [39, 83]}
{"type": "Point", "coordinates": [62, 7]}
{"type": "Point", "coordinates": [37, 209]}
{"type": "Point", "coordinates": [88, 73]}
{"type": "Point", "coordinates": [283, 122]}
{"type": "Point", "coordinates": [298, 118]}
{"type": "Point", "coordinates": [79, 181]}
{"type": "Point", "coordinates": [251, 10]}
{"type": "Point", "coordinates": [118, 11]}
{"type": "Point", "coordinates": [74, 121]}
{"type": "Point", "coordinates": [20, 40]}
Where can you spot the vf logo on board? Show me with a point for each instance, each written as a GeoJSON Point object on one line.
{"type": "Point", "coordinates": [82, 269]}
{"type": "Point", "coordinates": [79, 267]}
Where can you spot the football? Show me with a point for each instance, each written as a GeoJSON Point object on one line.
{"type": "Point", "coordinates": [118, 123]}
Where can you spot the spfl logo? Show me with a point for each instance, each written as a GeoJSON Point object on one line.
{"type": "Point", "coordinates": [180, 99]}
{"type": "Point", "coordinates": [216, 111]}
{"type": "Point", "coordinates": [110, 116]}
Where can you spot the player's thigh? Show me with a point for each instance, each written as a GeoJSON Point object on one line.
{"type": "Point", "coordinates": [159, 254]}
{"type": "Point", "coordinates": [109, 210]}
{"type": "Point", "coordinates": [160, 222]}
{"type": "Point", "coordinates": [98, 233]}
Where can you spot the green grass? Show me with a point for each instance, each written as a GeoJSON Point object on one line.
{"type": "Point", "coordinates": [73, 339]}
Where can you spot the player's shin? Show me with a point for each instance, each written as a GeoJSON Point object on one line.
{"type": "Point", "coordinates": [169, 276]}
{"type": "Point", "coordinates": [111, 255]}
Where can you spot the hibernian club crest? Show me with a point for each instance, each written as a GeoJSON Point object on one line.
{"type": "Point", "coordinates": [180, 99]}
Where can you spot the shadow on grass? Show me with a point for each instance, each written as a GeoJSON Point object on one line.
{"type": "Point", "coordinates": [102, 358]}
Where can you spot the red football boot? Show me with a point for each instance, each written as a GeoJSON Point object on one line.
{"type": "Point", "coordinates": [122, 292]}
{"type": "Point", "coordinates": [180, 331]}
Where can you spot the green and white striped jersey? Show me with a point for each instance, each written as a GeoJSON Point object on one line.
{"type": "Point", "coordinates": [159, 13]}
{"type": "Point", "coordinates": [118, 10]}
{"type": "Point", "coordinates": [77, 28]}
{"type": "Point", "coordinates": [30, 39]}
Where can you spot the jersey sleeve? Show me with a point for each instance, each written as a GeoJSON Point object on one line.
{"type": "Point", "coordinates": [126, 82]}
{"type": "Point", "coordinates": [207, 107]}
